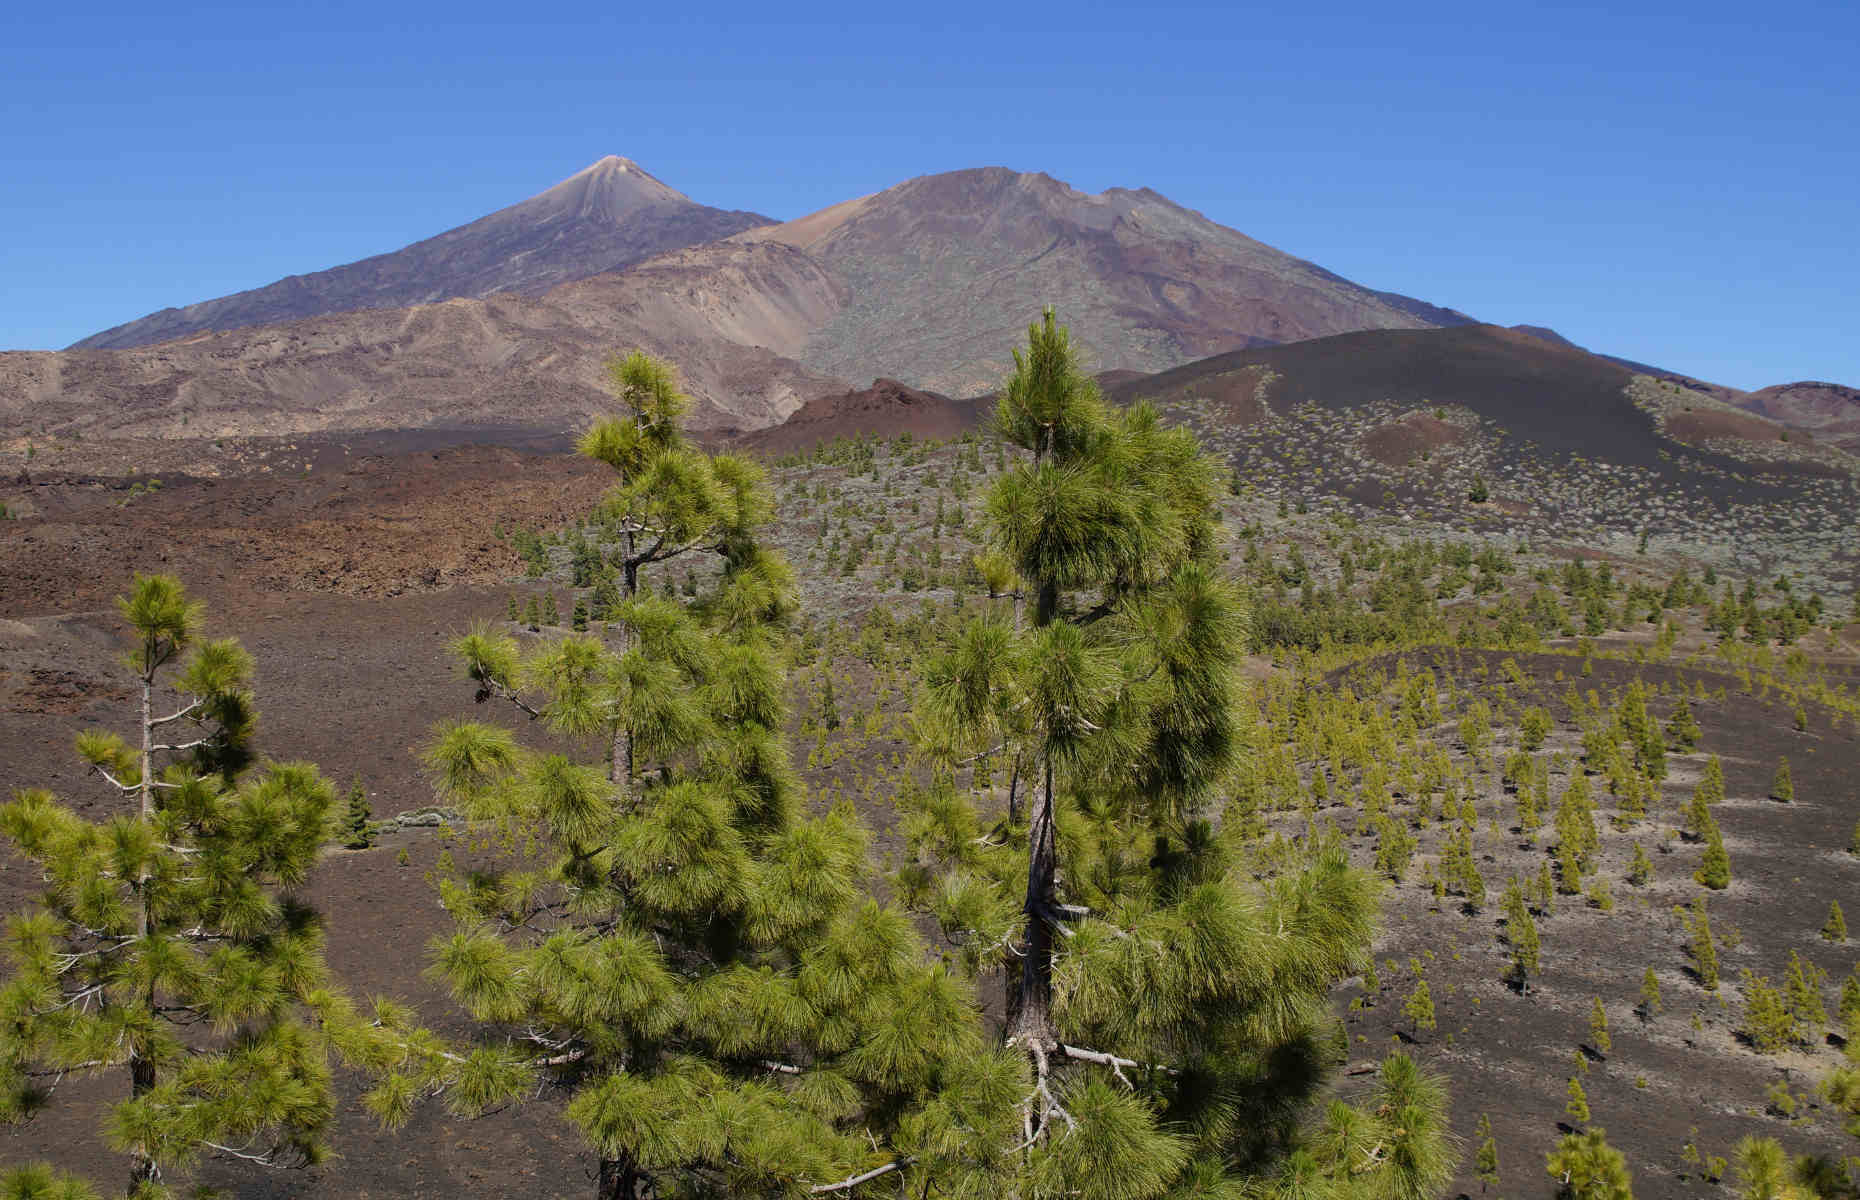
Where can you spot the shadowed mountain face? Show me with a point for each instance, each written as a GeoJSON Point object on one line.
{"type": "Point", "coordinates": [945, 272]}
{"type": "Point", "coordinates": [1829, 411]}
{"type": "Point", "coordinates": [609, 216]}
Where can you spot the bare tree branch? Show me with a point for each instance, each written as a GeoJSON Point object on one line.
{"type": "Point", "coordinates": [896, 1164]}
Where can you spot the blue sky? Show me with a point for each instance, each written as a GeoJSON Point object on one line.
{"type": "Point", "coordinates": [1673, 182]}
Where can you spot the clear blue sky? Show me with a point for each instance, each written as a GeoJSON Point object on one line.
{"type": "Point", "coordinates": [1674, 182]}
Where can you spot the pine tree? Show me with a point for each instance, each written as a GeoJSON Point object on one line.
{"type": "Point", "coordinates": [1649, 1006]}
{"type": "Point", "coordinates": [1598, 1027]}
{"type": "Point", "coordinates": [1835, 928]}
{"type": "Point", "coordinates": [1768, 1021]}
{"type": "Point", "coordinates": [510, 607]}
{"type": "Point", "coordinates": [1521, 934]}
{"type": "Point", "coordinates": [1585, 1167]}
{"type": "Point", "coordinates": [1802, 993]}
{"type": "Point", "coordinates": [1640, 867]}
{"type": "Point", "coordinates": [1710, 789]}
{"type": "Point", "coordinates": [1715, 868]}
{"type": "Point", "coordinates": [1115, 684]}
{"type": "Point", "coordinates": [694, 961]}
{"type": "Point", "coordinates": [40, 1181]}
{"type": "Point", "coordinates": [1485, 1160]}
{"type": "Point", "coordinates": [1704, 950]}
{"type": "Point", "coordinates": [1578, 1105]}
{"type": "Point", "coordinates": [1782, 788]}
{"type": "Point", "coordinates": [551, 616]}
{"type": "Point", "coordinates": [532, 613]}
{"type": "Point", "coordinates": [358, 830]}
{"type": "Point", "coordinates": [578, 620]}
{"type": "Point", "coordinates": [1683, 727]}
{"type": "Point", "coordinates": [1419, 1008]}
{"type": "Point", "coordinates": [168, 942]}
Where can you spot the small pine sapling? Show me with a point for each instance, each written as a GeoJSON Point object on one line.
{"type": "Point", "coordinates": [1585, 1167]}
{"type": "Point", "coordinates": [1598, 1027]}
{"type": "Point", "coordinates": [1683, 727]}
{"type": "Point", "coordinates": [578, 620]}
{"type": "Point", "coordinates": [1715, 868]}
{"type": "Point", "coordinates": [1703, 948]}
{"type": "Point", "coordinates": [357, 827]}
{"type": "Point", "coordinates": [1782, 788]}
{"type": "Point", "coordinates": [551, 616]}
{"type": "Point", "coordinates": [1640, 867]}
{"type": "Point", "coordinates": [1835, 928]}
{"type": "Point", "coordinates": [1577, 1105]}
{"type": "Point", "coordinates": [1486, 1157]}
{"type": "Point", "coordinates": [1649, 1006]}
{"type": "Point", "coordinates": [1419, 1008]}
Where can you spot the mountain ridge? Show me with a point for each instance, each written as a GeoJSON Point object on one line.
{"type": "Point", "coordinates": [606, 216]}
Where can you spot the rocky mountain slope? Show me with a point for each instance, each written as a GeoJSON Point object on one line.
{"type": "Point", "coordinates": [1829, 411]}
{"type": "Point", "coordinates": [608, 216]}
{"type": "Point", "coordinates": [944, 273]}
{"type": "Point", "coordinates": [927, 283]}
{"type": "Point", "coordinates": [507, 361]}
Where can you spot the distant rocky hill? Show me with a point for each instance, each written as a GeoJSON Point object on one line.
{"type": "Point", "coordinates": [886, 409]}
{"type": "Point", "coordinates": [608, 216]}
{"type": "Point", "coordinates": [1829, 411]}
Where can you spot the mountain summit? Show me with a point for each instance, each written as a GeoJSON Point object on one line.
{"type": "Point", "coordinates": [946, 271]}
{"type": "Point", "coordinates": [609, 215]}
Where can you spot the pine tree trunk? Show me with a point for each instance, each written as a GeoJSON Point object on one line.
{"type": "Point", "coordinates": [141, 1069]}
{"type": "Point", "coordinates": [141, 1082]}
{"type": "Point", "coordinates": [1031, 1023]}
{"type": "Point", "coordinates": [618, 1180]}
{"type": "Point", "coordinates": [620, 769]}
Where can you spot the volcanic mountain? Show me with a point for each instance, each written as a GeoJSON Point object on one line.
{"type": "Point", "coordinates": [945, 272]}
{"type": "Point", "coordinates": [929, 283]}
{"type": "Point", "coordinates": [608, 216]}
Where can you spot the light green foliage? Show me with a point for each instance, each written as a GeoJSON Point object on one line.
{"type": "Point", "coordinates": [1534, 728]}
{"type": "Point", "coordinates": [1710, 788]}
{"type": "Point", "coordinates": [1419, 1008]}
{"type": "Point", "coordinates": [1598, 1027]}
{"type": "Point", "coordinates": [1767, 1021]}
{"type": "Point", "coordinates": [1763, 1170]}
{"type": "Point", "coordinates": [1703, 949]}
{"type": "Point", "coordinates": [39, 1181]}
{"type": "Point", "coordinates": [1486, 1156]}
{"type": "Point", "coordinates": [1521, 934]}
{"type": "Point", "coordinates": [1578, 1104]}
{"type": "Point", "coordinates": [691, 957]}
{"type": "Point", "coordinates": [1682, 727]}
{"type": "Point", "coordinates": [1715, 867]}
{"type": "Point", "coordinates": [1834, 929]}
{"type": "Point", "coordinates": [1585, 1167]}
{"type": "Point", "coordinates": [168, 940]}
{"type": "Point", "coordinates": [1105, 680]}
{"type": "Point", "coordinates": [1782, 787]}
{"type": "Point", "coordinates": [1649, 995]}
{"type": "Point", "coordinates": [1640, 867]}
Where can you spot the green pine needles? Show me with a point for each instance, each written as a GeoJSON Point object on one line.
{"type": "Point", "coordinates": [1104, 678]}
{"type": "Point", "coordinates": [684, 953]}
{"type": "Point", "coordinates": [169, 943]}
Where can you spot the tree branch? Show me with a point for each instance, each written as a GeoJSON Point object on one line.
{"type": "Point", "coordinates": [896, 1164]}
{"type": "Point", "coordinates": [176, 716]}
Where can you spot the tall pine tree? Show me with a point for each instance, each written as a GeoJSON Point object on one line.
{"type": "Point", "coordinates": [688, 958]}
{"type": "Point", "coordinates": [1177, 1042]}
